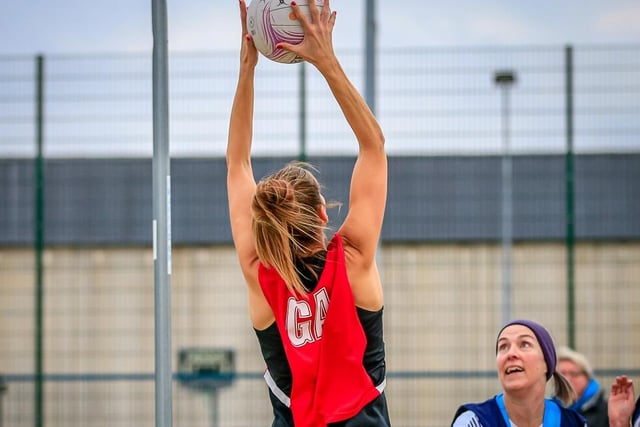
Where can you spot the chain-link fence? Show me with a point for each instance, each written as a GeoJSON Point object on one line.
{"type": "Point", "coordinates": [80, 304]}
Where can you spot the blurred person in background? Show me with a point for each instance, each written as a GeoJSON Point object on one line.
{"type": "Point", "coordinates": [526, 361]}
{"type": "Point", "coordinates": [590, 396]}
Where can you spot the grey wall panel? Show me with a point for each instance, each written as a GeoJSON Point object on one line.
{"type": "Point", "coordinates": [108, 201]}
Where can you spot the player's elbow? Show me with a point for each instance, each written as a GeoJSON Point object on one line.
{"type": "Point", "coordinates": [380, 139]}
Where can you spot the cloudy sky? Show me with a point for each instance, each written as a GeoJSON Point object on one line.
{"type": "Point", "coordinates": [77, 27]}
{"type": "Point", "coordinates": [80, 26]}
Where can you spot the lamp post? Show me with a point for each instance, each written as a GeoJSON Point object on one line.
{"type": "Point", "coordinates": [161, 186]}
{"type": "Point", "coordinates": [505, 80]}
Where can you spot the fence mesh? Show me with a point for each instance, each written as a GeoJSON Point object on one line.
{"type": "Point", "coordinates": [441, 111]}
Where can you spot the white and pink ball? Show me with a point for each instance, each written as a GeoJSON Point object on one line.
{"type": "Point", "coordinates": [270, 22]}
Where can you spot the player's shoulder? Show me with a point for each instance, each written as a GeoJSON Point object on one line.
{"type": "Point", "coordinates": [467, 418]}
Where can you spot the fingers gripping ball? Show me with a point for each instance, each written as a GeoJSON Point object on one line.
{"type": "Point", "coordinates": [272, 21]}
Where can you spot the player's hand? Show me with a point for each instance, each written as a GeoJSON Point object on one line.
{"type": "Point", "coordinates": [317, 45]}
{"type": "Point", "coordinates": [621, 402]}
{"type": "Point", "coordinates": [248, 51]}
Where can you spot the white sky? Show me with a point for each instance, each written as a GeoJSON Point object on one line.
{"type": "Point", "coordinates": [81, 26]}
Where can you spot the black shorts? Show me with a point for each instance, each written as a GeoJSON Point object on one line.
{"type": "Point", "coordinates": [374, 414]}
{"type": "Point", "coordinates": [282, 416]}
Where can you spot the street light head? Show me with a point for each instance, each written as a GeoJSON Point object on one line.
{"type": "Point", "coordinates": [504, 77]}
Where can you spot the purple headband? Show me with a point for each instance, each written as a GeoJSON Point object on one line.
{"type": "Point", "coordinates": [544, 339]}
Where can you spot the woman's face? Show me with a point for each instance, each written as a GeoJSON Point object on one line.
{"type": "Point", "coordinates": [519, 359]}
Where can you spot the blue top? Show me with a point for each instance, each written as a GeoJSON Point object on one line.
{"type": "Point", "coordinates": [490, 414]}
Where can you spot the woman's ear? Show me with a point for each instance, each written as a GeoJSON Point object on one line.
{"type": "Point", "coordinates": [322, 213]}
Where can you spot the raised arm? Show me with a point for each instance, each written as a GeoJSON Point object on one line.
{"type": "Point", "coordinates": [368, 193]}
{"type": "Point", "coordinates": [241, 183]}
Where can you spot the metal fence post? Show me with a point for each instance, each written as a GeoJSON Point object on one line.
{"type": "Point", "coordinates": [39, 244]}
{"type": "Point", "coordinates": [570, 202]}
{"type": "Point", "coordinates": [3, 389]}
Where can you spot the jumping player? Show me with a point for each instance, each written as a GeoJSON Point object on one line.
{"type": "Point", "coordinates": [315, 303]}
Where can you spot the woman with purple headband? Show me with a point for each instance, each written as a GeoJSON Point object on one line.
{"type": "Point", "coordinates": [526, 360]}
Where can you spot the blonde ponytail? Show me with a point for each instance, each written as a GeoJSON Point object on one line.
{"type": "Point", "coordinates": [286, 224]}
